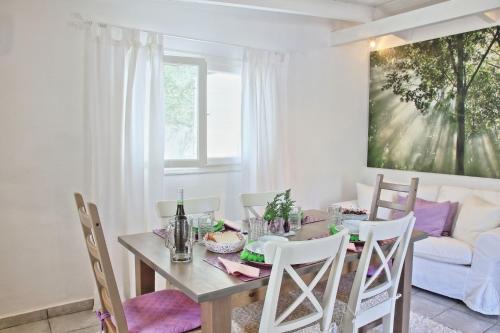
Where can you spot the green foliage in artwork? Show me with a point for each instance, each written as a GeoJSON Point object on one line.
{"type": "Point", "coordinates": [453, 85]}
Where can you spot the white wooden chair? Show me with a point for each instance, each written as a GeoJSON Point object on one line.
{"type": "Point", "coordinates": [283, 255]}
{"type": "Point", "coordinates": [375, 297]}
{"type": "Point", "coordinates": [250, 201]}
{"type": "Point", "coordinates": [207, 205]}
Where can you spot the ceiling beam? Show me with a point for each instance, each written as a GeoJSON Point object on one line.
{"type": "Point", "coordinates": [318, 8]}
{"type": "Point", "coordinates": [445, 11]}
{"type": "Point", "coordinates": [487, 17]}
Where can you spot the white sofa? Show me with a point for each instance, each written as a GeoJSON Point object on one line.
{"type": "Point", "coordinates": [447, 265]}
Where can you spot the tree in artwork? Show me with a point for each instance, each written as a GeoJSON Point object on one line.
{"type": "Point", "coordinates": [458, 75]}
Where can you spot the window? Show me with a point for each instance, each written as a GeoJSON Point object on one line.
{"type": "Point", "coordinates": [203, 114]}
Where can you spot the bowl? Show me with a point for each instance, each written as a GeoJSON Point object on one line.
{"type": "Point", "coordinates": [361, 217]}
{"type": "Point", "coordinates": [352, 225]}
{"type": "Point", "coordinates": [225, 247]}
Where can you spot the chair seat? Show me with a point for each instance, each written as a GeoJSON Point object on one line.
{"type": "Point", "coordinates": [166, 311]}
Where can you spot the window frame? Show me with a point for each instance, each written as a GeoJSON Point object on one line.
{"type": "Point", "coordinates": [201, 160]}
{"type": "Point", "coordinates": [203, 163]}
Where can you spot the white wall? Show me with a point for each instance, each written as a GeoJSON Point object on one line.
{"type": "Point", "coordinates": [328, 100]}
{"type": "Point", "coordinates": [42, 258]}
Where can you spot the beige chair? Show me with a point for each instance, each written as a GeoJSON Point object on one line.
{"type": "Point", "coordinates": [410, 190]}
{"type": "Point", "coordinates": [250, 201]}
{"type": "Point", "coordinates": [165, 311]}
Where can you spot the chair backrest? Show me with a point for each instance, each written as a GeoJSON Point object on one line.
{"type": "Point", "coordinates": [251, 200]}
{"type": "Point", "coordinates": [283, 255]}
{"type": "Point", "coordinates": [380, 185]}
{"type": "Point", "coordinates": [101, 265]}
{"type": "Point", "coordinates": [207, 205]}
{"type": "Point", "coordinates": [389, 263]}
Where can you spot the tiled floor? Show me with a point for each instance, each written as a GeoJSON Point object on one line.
{"type": "Point", "coordinates": [448, 312]}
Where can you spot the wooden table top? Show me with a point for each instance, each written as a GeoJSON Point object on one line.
{"type": "Point", "coordinates": [203, 282]}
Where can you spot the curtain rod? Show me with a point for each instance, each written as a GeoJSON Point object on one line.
{"type": "Point", "coordinates": [81, 20]}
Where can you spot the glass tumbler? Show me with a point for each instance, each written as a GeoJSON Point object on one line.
{"type": "Point", "coordinates": [335, 214]}
{"type": "Point", "coordinates": [256, 228]}
{"type": "Point", "coordinates": [205, 225]}
{"type": "Point", "coordinates": [295, 218]}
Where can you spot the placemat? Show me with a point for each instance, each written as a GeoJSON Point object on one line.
{"type": "Point", "coordinates": [212, 260]}
{"type": "Point", "coordinates": [311, 219]}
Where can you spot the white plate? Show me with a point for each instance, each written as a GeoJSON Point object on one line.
{"type": "Point", "coordinates": [258, 246]}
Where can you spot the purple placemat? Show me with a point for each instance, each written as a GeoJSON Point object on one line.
{"type": "Point", "coordinates": [212, 260]}
{"type": "Point", "coordinates": [311, 219]}
{"type": "Point", "coordinates": [160, 232]}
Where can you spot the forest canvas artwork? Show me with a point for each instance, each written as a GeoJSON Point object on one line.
{"type": "Point", "coordinates": [435, 105]}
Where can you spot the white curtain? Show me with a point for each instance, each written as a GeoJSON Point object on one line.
{"type": "Point", "coordinates": [125, 134]}
{"type": "Point", "coordinates": [264, 122]}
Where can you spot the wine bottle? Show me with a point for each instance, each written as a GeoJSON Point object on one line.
{"type": "Point", "coordinates": [181, 224]}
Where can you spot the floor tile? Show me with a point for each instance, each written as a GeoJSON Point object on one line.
{"type": "Point", "coordinates": [72, 322]}
{"type": "Point", "coordinates": [74, 307]}
{"type": "Point", "coordinates": [23, 318]}
{"type": "Point", "coordinates": [462, 321]}
{"type": "Point", "coordinates": [449, 302]}
{"type": "Point", "coordinates": [92, 329]}
{"type": "Point", "coordinates": [494, 329]}
{"type": "Point", "coordinates": [465, 309]}
{"type": "Point", "coordinates": [426, 307]}
{"type": "Point", "coordinates": [35, 327]}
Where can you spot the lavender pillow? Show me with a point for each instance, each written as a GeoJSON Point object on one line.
{"type": "Point", "coordinates": [449, 220]}
{"type": "Point", "coordinates": [431, 217]}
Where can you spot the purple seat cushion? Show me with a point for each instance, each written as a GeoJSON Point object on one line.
{"type": "Point", "coordinates": [430, 217]}
{"type": "Point", "coordinates": [166, 311]}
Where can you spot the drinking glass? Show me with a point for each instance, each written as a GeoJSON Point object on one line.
{"type": "Point", "coordinates": [294, 218]}
{"type": "Point", "coordinates": [256, 228]}
{"type": "Point", "coordinates": [335, 214]}
{"type": "Point", "coordinates": [205, 225]}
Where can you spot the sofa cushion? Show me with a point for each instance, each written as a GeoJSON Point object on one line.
{"type": "Point", "coordinates": [430, 216]}
{"type": "Point", "coordinates": [475, 217]}
{"type": "Point", "coordinates": [492, 197]}
{"type": "Point", "coordinates": [453, 194]}
{"type": "Point", "coordinates": [444, 249]}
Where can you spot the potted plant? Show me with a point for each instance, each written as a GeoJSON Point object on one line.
{"type": "Point", "coordinates": [279, 209]}
{"type": "Point", "coordinates": [285, 208]}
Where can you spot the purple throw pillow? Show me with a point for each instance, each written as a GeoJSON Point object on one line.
{"type": "Point", "coordinates": [449, 220]}
{"type": "Point", "coordinates": [430, 217]}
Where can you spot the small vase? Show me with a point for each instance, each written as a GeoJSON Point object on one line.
{"type": "Point", "coordinates": [286, 226]}
{"type": "Point", "coordinates": [276, 226]}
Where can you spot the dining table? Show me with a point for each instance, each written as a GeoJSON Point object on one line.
{"type": "Point", "coordinates": [218, 293]}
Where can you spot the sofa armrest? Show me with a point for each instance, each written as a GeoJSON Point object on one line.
{"type": "Point", "coordinates": [486, 253]}
{"type": "Point", "coordinates": [348, 204]}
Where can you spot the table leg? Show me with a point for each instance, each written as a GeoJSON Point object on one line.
{"type": "Point", "coordinates": [402, 316]}
{"type": "Point", "coordinates": [144, 278]}
{"type": "Point", "coordinates": [216, 316]}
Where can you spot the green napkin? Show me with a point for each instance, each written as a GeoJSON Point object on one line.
{"type": "Point", "coordinates": [333, 230]}
{"type": "Point", "coordinates": [251, 256]}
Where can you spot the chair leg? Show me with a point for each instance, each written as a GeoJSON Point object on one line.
{"type": "Point", "coordinates": [388, 323]}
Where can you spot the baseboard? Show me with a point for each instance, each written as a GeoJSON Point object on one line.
{"type": "Point", "coordinates": [53, 311]}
